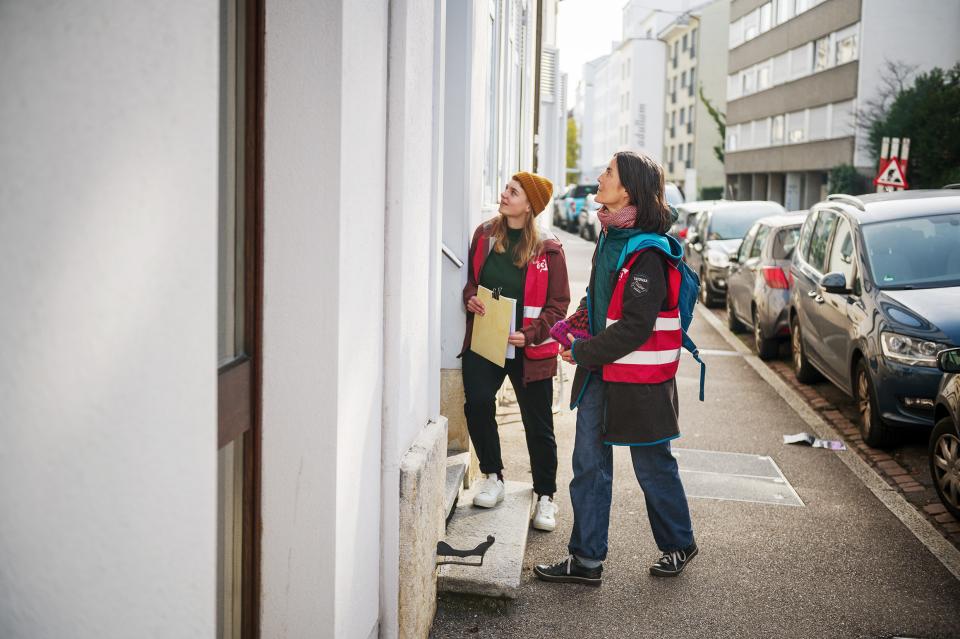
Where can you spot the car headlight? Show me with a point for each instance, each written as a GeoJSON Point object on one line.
{"type": "Point", "coordinates": [718, 259]}
{"type": "Point", "coordinates": [910, 350]}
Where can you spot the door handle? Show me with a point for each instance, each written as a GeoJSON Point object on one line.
{"type": "Point", "coordinates": [812, 293]}
{"type": "Point", "coordinates": [818, 299]}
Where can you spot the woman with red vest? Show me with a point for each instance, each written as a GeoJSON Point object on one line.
{"type": "Point", "coordinates": [507, 253]}
{"type": "Point", "coordinates": [624, 388]}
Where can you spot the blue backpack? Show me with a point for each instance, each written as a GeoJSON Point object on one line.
{"type": "Point", "coordinates": [689, 294]}
{"type": "Point", "coordinates": [689, 285]}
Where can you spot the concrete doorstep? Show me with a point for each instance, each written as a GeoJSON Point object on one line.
{"type": "Point", "coordinates": [509, 523]}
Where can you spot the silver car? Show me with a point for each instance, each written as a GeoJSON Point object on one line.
{"type": "Point", "coordinates": [758, 285]}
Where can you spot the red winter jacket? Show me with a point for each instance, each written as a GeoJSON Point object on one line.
{"type": "Point", "coordinates": [554, 310]}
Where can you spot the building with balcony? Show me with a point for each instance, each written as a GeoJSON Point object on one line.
{"type": "Point", "coordinates": [799, 73]}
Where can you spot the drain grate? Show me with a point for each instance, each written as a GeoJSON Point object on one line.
{"type": "Point", "coordinates": [709, 474]}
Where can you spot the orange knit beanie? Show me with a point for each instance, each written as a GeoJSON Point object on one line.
{"type": "Point", "coordinates": [538, 189]}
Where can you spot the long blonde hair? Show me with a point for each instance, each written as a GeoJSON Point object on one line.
{"type": "Point", "coordinates": [529, 246]}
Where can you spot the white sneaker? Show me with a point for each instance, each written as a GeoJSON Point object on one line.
{"type": "Point", "coordinates": [545, 516]}
{"type": "Point", "coordinates": [490, 493]}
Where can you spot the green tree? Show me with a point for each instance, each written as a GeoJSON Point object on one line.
{"type": "Point", "coordinates": [573, 151]}
{"type": "Point", "coordinates": [929, 114]}
{"type": "Point", "coordinates": [721, 121]}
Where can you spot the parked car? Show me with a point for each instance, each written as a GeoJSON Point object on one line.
{"type": "Point", "coordinates": [673, 194]}
{"type": "Point", "coordinates": [686, 214]}
{"type": "Point", "coordinates": [560, 205]}
{"type": "Point", "coordinates": [875, 296]}
{"type": "Point", "coordinates": [588, 223]}
{"type": "Point", "coordinates": [574, 204]}
{"type": "Point", "coordinates": [758, 291]}
{"type": "Point", "coordinates": [717, 235]}
{"type": "Point", "coordinates": [945, 438]}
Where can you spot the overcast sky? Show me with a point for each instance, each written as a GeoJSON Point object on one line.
{"type": "Point", "coordinates": [585, 30]}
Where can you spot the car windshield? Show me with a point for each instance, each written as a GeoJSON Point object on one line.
{"type": "Point", "coordinates": [733, 223]}
{"type": "Point", "coordinates": [784, 242]}
{"type": "Point", "coordinates": [584, 190]}
{"type": "Point", "coordinates": [922, 252]}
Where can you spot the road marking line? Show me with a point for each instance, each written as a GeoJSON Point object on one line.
{"type": "Point", "coordinates": [903, 510]}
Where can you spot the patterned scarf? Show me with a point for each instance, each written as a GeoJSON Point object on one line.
{"type": "Point", "coordinates": [622, 219]}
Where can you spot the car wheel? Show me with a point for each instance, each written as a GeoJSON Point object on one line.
{"type": "Point", "coordinates": [735, 325]}
{"type": "Point", "coordinates": [945, 464]}
{"type": "Point", "coordinates": [874, 432]}
{"type": "Point", "coordinates": [766, 348]}
{"type": "Point", "coordinates": [802, 368]}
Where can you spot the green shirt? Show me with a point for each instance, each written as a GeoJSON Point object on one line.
{"type": "Point", "coordinates": [500, 272]}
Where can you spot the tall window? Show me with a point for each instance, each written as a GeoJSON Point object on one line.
{"type": "Point", "coordinates": [238, 306]}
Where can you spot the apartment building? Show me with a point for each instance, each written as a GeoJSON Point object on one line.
{"type": "Point", "coordinates": [623, 94]}
{"type": "Point", "coordinates": [799, 72]}
{"type": "Point", "coordinates": [696, 53]}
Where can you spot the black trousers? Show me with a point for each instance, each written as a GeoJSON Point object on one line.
{"type": "Point", "coordinates": [481, 381]}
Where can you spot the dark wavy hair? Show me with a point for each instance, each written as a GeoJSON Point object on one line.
{"type": "Point", "coordinates": [643, 180]}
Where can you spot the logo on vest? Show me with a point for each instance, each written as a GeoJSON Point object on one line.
{"type": "Point", "coordinates": [540, 264]}
{"type": "Point", "coordinates": [640, 284]}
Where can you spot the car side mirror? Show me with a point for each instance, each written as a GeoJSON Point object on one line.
{"type": "Point", "coordinates": [735, 258]}
{"type": "Point", "coordinates": [949, 360]}
{"type": "Point", "coordinates": [692, 236]}
{"type": "Point", "coordinates": [835, 283]}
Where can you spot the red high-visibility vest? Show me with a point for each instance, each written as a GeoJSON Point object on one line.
{"type": "Point", "coordinates": [534, 295]}
{"type": "Point", "coordinates": [657, 359]}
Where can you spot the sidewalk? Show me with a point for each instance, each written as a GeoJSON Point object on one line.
{"type": "Point", "coordinates": [842, 565]}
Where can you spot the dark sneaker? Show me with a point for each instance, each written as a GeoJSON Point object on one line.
{"type": "Point", "coordinates": [672, 563]}
{"type": "Point", "coordinates": [569, 570]}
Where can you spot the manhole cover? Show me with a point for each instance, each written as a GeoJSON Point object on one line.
{"type": "Point", "coordinates": [734, 477]}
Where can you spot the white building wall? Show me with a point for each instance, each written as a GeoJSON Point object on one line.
{"type": "Point", "coordinates": [323, 317]}
{"type": "Point", "coordinates": [647, 87]}
{"type": "Point", "coordinates": [108, 231]}
{"type": "Point", "coordinates": [886, 36]}
{"type": "Point", "coordinates": [608, 127]}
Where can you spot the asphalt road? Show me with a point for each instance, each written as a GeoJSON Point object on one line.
{"type": "Point", "coordinates": [842, 565]}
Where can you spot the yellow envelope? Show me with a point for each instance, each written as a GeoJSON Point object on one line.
{"type": "Point", "coordinates": [490, 330]}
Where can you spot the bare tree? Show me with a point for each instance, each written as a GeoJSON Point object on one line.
{"type": "Point", "coordinates": [895, 77]}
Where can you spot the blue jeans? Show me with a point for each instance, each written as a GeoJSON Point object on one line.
{"type": "Point", "coordinates": [591, 488]}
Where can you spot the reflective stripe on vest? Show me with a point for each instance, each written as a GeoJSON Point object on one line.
{"type": "Point", "coordinates": [535, 286]}
{"type": "Point", "coordinates": [657, 359]}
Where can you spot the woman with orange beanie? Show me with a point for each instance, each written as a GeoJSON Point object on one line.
{"type": "Point", "coordinates": [509, 254]}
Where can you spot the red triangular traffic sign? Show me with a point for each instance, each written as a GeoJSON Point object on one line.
{"type": "Point", "coordinates": [892, 175]}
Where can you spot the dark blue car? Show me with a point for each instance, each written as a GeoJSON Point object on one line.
{"type": "Point", "coordinates": [875, 295]}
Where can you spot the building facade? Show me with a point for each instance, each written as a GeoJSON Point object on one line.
{"type": "Point", "coordinates": [229, 307]}
{"type": "Point", "coordinates": [799, 72]}
{"type": "Point", "coordinates": [696, 53]}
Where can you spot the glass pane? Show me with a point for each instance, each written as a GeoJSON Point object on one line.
{"type": "Point", "coordinates": [841, 252]}
{"type": "Point", "coordinates": [230, 298]}
{"type": "Point", "coordinates": [229, 538]}
{"type": "Point", "coordinates": [758, 244]}
{"type": "Point", "coordinates": [821, 235]}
